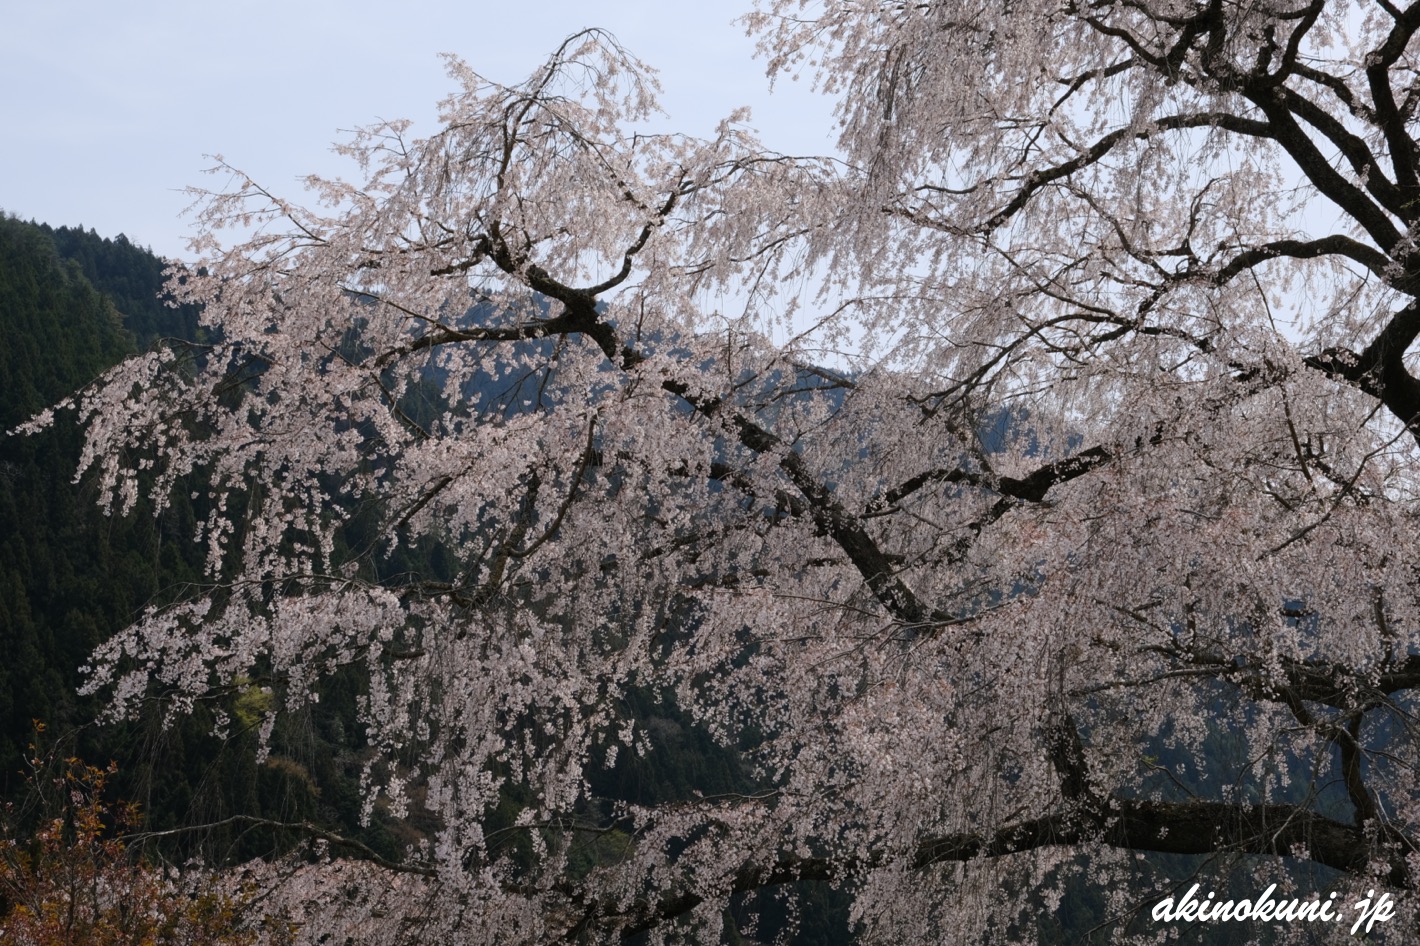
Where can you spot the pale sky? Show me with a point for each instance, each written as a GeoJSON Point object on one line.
{"type": "Point", "coordinates": [110, 107]}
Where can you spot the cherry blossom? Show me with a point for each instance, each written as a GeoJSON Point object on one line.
{"type": "Point", "coordinates": [980, 483]}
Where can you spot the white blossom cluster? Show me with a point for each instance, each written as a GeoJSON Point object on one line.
{"type": "Point", "coordinates": [1084, 454]}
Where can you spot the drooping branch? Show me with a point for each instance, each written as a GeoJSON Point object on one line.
{"type": "Point", "coordinates": [1348, 739]}
{"type": "Point", "coordinates": [1030, 488]}
{"type": "Point", "coordinates": [1129, 824]}
{"type": "Point", "coordinates": [1388, 115]}
{"type": "Point", "coordinates": [304, 828]}
{"type": "Point", "coordinates": [1379, 369]}
{"type": "Point", "coordinates": [1313, 680]}
{"type": "Point", "coordinates": [1364, 164]}
{"type": "Point", "coordinates": [580, 316]}
{"type": "Point", "coordinates": [1335, 244]}
{"type": "Point", "coordinates": [1037, 180]}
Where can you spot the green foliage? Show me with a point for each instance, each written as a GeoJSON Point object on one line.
{"type": "Point", "coordinates": [71, 576]}
{"type": "Point", "coordinates": [56, 331]}
{"type": "Point", "coordinates": [132, 278]}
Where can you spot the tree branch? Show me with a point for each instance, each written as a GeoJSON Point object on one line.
{"type": "Point", "coordinates": [1194, 827]}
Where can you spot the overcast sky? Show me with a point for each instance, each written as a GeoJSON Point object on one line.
{"type": "Point", "coordinates": [109, 107]}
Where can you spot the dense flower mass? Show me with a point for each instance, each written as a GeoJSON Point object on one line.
{"type": "Point", "coordinates": [1028, 492]}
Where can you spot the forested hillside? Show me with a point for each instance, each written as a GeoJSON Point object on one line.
{"type": "Point", "coordinates": [69, 576]}
{"type": "Point", "coordinates": [71, 305]}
